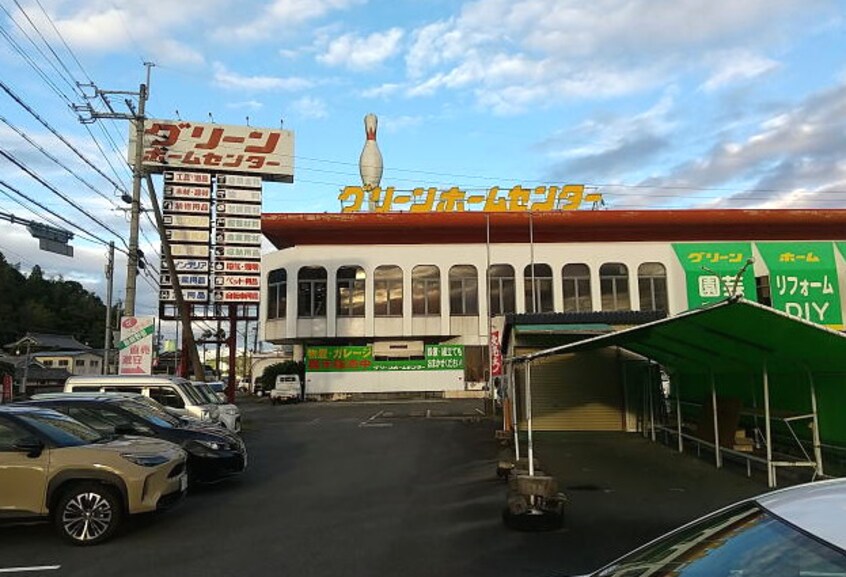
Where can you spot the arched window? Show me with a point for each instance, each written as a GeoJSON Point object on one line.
{"type": "Point", "coordinates": [311, 292]}
{"type": "Point", "coordinates": [350, 295]}
{"type": "Point", "coordinates": [576, 282]}
{"type": "Point", "coordinates": [387, 291]}
{"type": "Point", "coordinates": [277, 294]}
{"type": "Point", "coordinates": [652, 282]}
{"type": "Point", "coordinates": [463, 290]}
{"type": "Point", "coordinates": [614, 286]}
{"type": "Point", "coordinates": [502, 298]}
{"type": "Point", "coordinates": [538, 288]}
{"type": "Point", "coordinates": [425, 290]}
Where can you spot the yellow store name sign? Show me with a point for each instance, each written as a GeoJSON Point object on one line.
{"type": "Point", "coordinates": [516, 199]}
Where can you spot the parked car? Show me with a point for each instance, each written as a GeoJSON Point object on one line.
{"type": "Point", "coordinates": [796, 531]}
{"type": "Point", "coordinates": [175, 393]}
{"type": "Point", "coordinates": [213, 452]}
{"type": "Point", "coordinates": [230, 415]}
{"type": "Point", "coordinates": [287, 389]}
{"type": "Point", "coordinates": [54, 467]}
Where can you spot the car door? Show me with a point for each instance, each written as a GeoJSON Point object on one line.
{"type": "Point", "coordinates": [169, 397]}
{"type": "Point", "coordinates": [23, 478]}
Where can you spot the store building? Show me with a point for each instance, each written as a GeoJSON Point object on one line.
{"type": "Point", "coordinates": [402, 283]}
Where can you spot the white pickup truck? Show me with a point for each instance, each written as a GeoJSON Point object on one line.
{"type": "Point", "coordinates": [287, 389]}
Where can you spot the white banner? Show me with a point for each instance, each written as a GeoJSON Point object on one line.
{"type": "Point", "coordinates": [135, 348]}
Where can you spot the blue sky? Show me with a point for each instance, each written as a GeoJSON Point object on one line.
{"type": "Point", "coordinates": [662, 104]}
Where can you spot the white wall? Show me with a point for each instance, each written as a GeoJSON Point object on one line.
{"type": "Point", "coordinates": [319, 383]}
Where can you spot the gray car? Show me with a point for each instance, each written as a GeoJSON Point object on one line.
{"type": "Point", "coordinates": [799, 531]}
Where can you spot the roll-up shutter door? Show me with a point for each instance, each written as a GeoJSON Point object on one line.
{"type": "Point", "coordinates": [580, 392]}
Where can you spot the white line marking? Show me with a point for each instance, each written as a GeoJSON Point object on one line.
{"type": "Point", "coordinates": [369, 422]}
{"type": "Point", "coordinates": [29, 569]}
{"type": "Point", "coordinates": [480, 411]}
{"type": "Point", "coordinates": [375, 424]}
{"type": "Point", "coordinates": [428, 413]}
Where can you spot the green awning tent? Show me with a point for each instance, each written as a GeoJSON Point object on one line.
{"type": "Point", "coordinates": [789, 373]}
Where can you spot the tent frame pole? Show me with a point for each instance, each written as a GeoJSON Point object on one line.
{"type": "Point", "coordinates": [528, 398]}
{"type": "Point", "coordinates": [816, 425]}
{"type": "Point", "coordinates": [649, 384]}
{"type": "Point", "coordinates": [718, 456]}
{"type": "Point", "coordinates": [513, 388]}
{"type": "Point", "coordinates": [676, 383]}
{"type": "Point", "coordinates": [771, 477]}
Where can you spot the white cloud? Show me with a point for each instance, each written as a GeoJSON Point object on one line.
{"type": "Point", "coordinates": [309, 107]}
{"type": "Point", "coordinates": [281, 15]}
{"type": "Point", "coordinates": [247, 104]}
{"type": "Point", "coordinates": [232, 80]}
{"type": "Point", "coordinates": [362, 53]}
{"type": "Point", "coordinates": [735, 66]}
{"type": "Point", "coordinates": [382, 91]}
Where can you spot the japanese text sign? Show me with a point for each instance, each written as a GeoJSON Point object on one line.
{"type": "Point", "coordinates": [168, 144]}
{"type": "Point", "coordinates": [136, 346]}
{"type": "Point", "coordinates": [803, 280]}
{"type": "Point", "coordinates": [360, 358]}
{"type": "Point", "coordinates": [711, 270]}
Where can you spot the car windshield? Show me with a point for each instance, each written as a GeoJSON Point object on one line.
{"type": "Point", "coordinates": [192, 393]}
{"type": "Point", "coordinates": [207, 393]}
{"type": "Point", "coordinates": [62, 430]}
{"type": "Point", "coordinates": [744, 541]}
{"type": "Point", "coordinates": [150, 413]}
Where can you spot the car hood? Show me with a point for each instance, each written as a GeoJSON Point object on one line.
{"type": "Point", "coordinates": [131, 443]}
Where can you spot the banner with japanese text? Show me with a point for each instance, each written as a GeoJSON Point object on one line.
{"type": "Point", "coordinates": [360, 358]}
{"type": "Point", "coordinates": [711, 271]}
{"type": "Point", "coordinates": [135, 347]}
{"type": "Point", "coordinates": [803, 280]}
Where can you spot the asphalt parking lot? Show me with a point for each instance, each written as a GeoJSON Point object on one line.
{"type": "Point", "coordinates": [393, 489]}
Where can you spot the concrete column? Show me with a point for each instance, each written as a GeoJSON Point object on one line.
{"type": "Point", "coordinates": [331, 301]}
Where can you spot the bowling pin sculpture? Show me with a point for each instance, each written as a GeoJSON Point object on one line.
{"type": "Point", "coordinates": [370, 162]}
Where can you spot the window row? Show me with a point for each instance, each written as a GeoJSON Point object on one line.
{"type": "Point", "coordinates": [463, 288]}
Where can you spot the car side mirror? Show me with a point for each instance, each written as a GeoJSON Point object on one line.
{"type": "Point", "coordinates": [221, 396]}
{"type": "Point", "coordinates": [29, 445]}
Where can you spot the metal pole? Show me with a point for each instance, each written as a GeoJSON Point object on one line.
{"type": "Point", "coordinates": [255, 350]}
{"type": "Point", "coordinates": [232, 342]}
{"type": "Point", "coordinates": [532, 262]}
{"type": "Point", "coordinates": [488, 296]}
{"type": "Point", "coordinates": [181, 305]}
{"type": "Point", "coordinates": [675, 383]}
{"type": "Point", "coordinates": [717, 453]}
{"type": "Point", "coordinates": [816, 426]}
{"type": "Point", "coordinates": [217, 354]}
{"type": "Point", "coordinates": [771, 480]}
{"type": "Point", "coordinates": [528, 395]}
{"type": "Point", "coordinates": [651, 402]}
{"type": "Point", "coordinates": [110, 275]}
{"type": "Point", "coordinates": [22, 389]}
{"type": "Point", "coordinates": [137, 175]}
{"type": "Point", "coordinates": [246, 337]}
{"type": "Point", "coordinates": [513, 388]}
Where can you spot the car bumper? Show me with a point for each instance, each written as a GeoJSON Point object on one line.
{"type": "Point", "coordinates": [162, 488]}
{"type": "Point", "coordinates": [208, 469]}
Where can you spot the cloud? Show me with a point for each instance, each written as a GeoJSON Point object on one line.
{"type": "Point", "coordinates": [284, 15]}
{"type": "Point", "coordinates": [248, 104]}
{"type": "Point", "coordinates": [363, 53]}
{"type": "Point", "coordinates": [234, 81]}
{"type": "Point", "coordinates": [515, 54]}
{"type": "Point", "coordinates": [382, 91]}
{"type": "Point", "coordinates": [736, 66]}
{"type": "Point", "coordinates": [309, 107]}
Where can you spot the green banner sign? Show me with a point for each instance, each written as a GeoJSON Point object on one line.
{"type": "Point", "coordinates": [353, 358]}
{"type": "Point", "coordinates": [711, 271]}
{"type": "Point", "coordinates": [803, 280]}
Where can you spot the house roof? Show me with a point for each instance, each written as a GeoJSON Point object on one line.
{"type": "Point", "coordinates": [48, 341]}
{"type": "Point", "coordinates": [291, 229]}
{"type": "Point", "coordinates": [66, 353]}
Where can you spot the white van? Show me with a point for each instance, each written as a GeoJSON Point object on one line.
{"type": "Point", "coordinates": [287, 389]}
{"type": "Point", "coordinates": [175, 393]}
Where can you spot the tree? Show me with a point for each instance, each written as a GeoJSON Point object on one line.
{"type": "Point", "coordinates": [268, 377]}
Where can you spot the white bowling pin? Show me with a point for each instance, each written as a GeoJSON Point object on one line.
{"type": "Point", "coordinates": [370, 162]}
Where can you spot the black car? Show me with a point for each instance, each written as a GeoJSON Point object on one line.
{"type": "Point", "coordinates": [213, 452]}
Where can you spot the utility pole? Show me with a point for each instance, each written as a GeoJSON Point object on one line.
{"type": "Point", "coordinates": [88, 115]}
{"type": "Point", "coordinates": [110, 274]}
{"type": "Point", "coordinates": [246, 337]}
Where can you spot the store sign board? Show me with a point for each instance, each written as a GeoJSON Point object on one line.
{"type": "Point", "coordinates": [185, 280]}
{"type": "Point", "coordinates": [197, 178]}
{"type": "Point", "coordinates": [237, 296]}
{"type": "Point", "coordinates": [189, 192]}
{"type": "Point", "coordinates": [236, 209]}
{"type": "Point", "coordinates": [184, 265]}
{"type": "Point", "coordinates": [496, 354]}
{"type": "Point", "coordinates": [239, 195]}
{"type": "Point", "coordinates": [239, 281]}
{"type": "Point", "coordinates": [193, 250]}
{"type": "Point", "coordinates": [187, 235]}
{"type": "Point", "coordinates": [189, 206]}
{"type": "Point", "coordinates": [135, 348]}
{"type": "Point", "coordinates": [190, 295]}
{"type": "Point", "coordinates": [237, 252]}
{"type": "Point", "coordinates": [803, 280]}
{"type": "Point", "coordinates": [238, 223]}
{"type": "Point", "coordinates": [515, 199]}
{"type": "Point", "coordinates": [185, 221]}
{"type": "Point", "coordinates": [360, 358]}
{"type": "Point", "coordinates": [711, 271]}
{"type": "Point", "coordinates": [261, 152]}
{"type": "Point", "coordinates": [238, 181]}
{"type": "Point", "coordinates": [237, 267]}
{"type": "Point", "coordinates": [248, 238]}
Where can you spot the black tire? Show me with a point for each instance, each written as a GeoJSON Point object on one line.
{"type": "Point", "coordinates": [88, 513]}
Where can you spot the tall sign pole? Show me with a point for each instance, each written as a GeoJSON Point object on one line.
{"type": "Point", "coordinates": [110, 275]}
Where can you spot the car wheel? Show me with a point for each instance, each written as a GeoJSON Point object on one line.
{"type": "Point", "coordinates": [88, 513]}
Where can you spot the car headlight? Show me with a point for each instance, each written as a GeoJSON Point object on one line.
{"type": "Point", "coordinates": [213, 445]}
{"type": "Point", "coordinates": [146, 459]}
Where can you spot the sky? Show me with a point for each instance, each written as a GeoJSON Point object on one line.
{"type": "Point", "coordinates": [657, 103]}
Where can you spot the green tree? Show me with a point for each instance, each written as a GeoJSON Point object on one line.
{"type": "Point", "coordinates": [268, 377]}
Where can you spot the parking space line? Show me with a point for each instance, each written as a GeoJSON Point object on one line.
{"type": "Point", "coordinates": [29, 569]}
{"type": "Point", "coordinates": [369, 422]}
